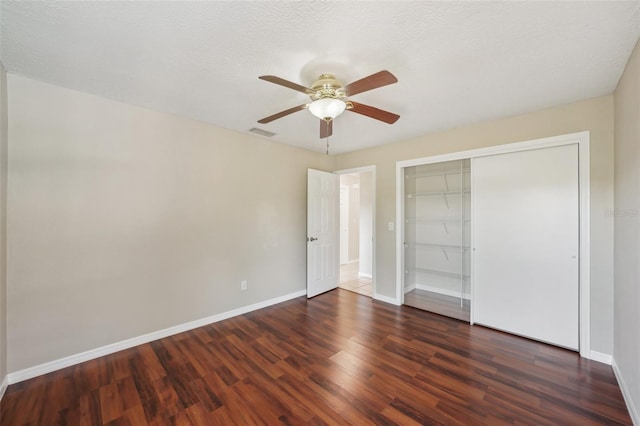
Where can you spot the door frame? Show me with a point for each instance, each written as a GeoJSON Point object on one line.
{"type": "Point", "coordinates": [582, 139]}
{"type": "Point", "coordinates": [372, 169]}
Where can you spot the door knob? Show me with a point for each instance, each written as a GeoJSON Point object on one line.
{"type": "Point", "coordinates": [312, 239]}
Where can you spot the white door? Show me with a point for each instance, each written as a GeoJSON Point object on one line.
{"type": "Point", "coordinates": [322, 231]}
{"type": "Point", "coordinates": [526, 230]}
{"type": "Point", "coordinates": [344, 224]}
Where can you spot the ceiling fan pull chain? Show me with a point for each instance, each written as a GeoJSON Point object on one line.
{"type": "Point", "coordinates": [327, 145]}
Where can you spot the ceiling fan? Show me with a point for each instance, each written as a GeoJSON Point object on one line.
{"type": "Point", "coordinates": [329, 99]}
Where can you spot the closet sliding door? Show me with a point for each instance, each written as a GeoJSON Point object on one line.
{"type": "Point", "coordinates": [526, 243]}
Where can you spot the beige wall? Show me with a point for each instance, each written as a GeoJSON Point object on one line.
{"type": "Point", "coordinates": [595, 115]}
{"type": "Point", "coordinates": [626, 350]}
{"type": "Point", "coordinates": [124, 221]}
{"type": "Point", "coordinates": [3, 222]}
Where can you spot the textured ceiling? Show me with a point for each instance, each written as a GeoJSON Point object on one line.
{"type": "Point", "coordinates": [457, 62]}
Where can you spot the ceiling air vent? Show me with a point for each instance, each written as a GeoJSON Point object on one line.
{"type": "Point", "coordinates": [261, 132]}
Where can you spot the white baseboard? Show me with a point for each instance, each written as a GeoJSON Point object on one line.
{"type": "Point", "coordinates": [634, 411]}
{"type": "Point", "coordinates": [365, 275]}
{"type": "Point", "coordinates": [387, 299]}
{"type": "Point", "coordinates": [439, 290]}
{"type": "Point", "coordinates": [409, 288]}
{"type": "Point", "coordinates": [68, 361]}
{"type": "Point", "coordinates": [353, 261]}
{"type": "Point", "coordinates": [600, 357]}
{"type": "Point", "coordinates": [3, 386]}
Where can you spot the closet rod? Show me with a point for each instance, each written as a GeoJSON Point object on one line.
{"type": "Point", "coordinates": [438, 173]}
{"type": "Point", "coordinates": [441, 193]}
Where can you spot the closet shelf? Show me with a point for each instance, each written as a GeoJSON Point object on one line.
{"type": "Point", "coordinates": [438, 173]}
{"type": "Point", "coordinates": [442, 273]}
{"type": "Point", "coordinates": [435, 220]}
{"type": "Point", "coordinates": [435, 193]}
{"type": "Point", "coordinates": [442, 246]}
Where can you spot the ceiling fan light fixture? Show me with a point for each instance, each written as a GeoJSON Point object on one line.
{"type": "Point", "coordinates": [327, 108]}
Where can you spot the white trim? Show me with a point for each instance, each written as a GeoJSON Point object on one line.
{"type": "Point", "coordinates": [353, 261]}
{"type": "Point", "coordinates": [386, 299]}
{"type": "Point", "coordinates": [567, 139]}
{"type": "Point", "coordinates": [364, 275]}
{"type": "Point", "coordinates": [367, 169]}
{"type": "Point", "coordinates": [600, 357]}
{"type": "Point", "coordinates": [452, 293]}
{"type": "Point", "coordinates": [472, 227]}
{"type": "Point", "coordinates": [584, 179]}
{"type": "Point", "coordinates": [68, 361]}
{"type": "Point", "coordinates": [399, 234]}
{"type": "Point", "coordinates": [3, 386]}
{"type": "Point", "coordinates": [580, 138]}
{"type": "Point", "coordinates": [634, 412]}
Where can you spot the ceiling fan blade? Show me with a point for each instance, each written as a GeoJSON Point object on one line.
{"type": "Point", "coordinates": [282, 114]}
{"type": "Point", "coordinates": [326, 128]}
{"type": "Point", "coordinates": [374, 81]}
{"type": "Point", "coordinates": [285, 83]}
{"type": "Point", "coordinates": [378, 114]}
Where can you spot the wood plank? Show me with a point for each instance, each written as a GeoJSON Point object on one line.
{"type": "Point", "coordinates": [110, 403]}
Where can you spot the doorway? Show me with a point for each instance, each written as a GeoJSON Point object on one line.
{"type": "Point", "coordinates": [356, 231]}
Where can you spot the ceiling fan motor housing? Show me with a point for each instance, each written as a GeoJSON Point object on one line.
{"type": "Point", "coordinates": [327, 87]}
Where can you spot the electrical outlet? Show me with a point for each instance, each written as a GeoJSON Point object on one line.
{"type": "Point", "coordinates": [243, 285]}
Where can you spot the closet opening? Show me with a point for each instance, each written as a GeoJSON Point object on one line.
{"type": "Point", "coordinates": [437, 235]}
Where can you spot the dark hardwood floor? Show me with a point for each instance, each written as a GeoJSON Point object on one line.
{"type": "Point", "coordinates": [339, 358]}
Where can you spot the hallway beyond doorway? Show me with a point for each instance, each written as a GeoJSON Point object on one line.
{"type": "Point", "coordinates": [352, 281]}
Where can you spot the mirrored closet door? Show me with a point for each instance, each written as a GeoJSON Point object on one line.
{"type": "Point", "coordinates": [437, 256]}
